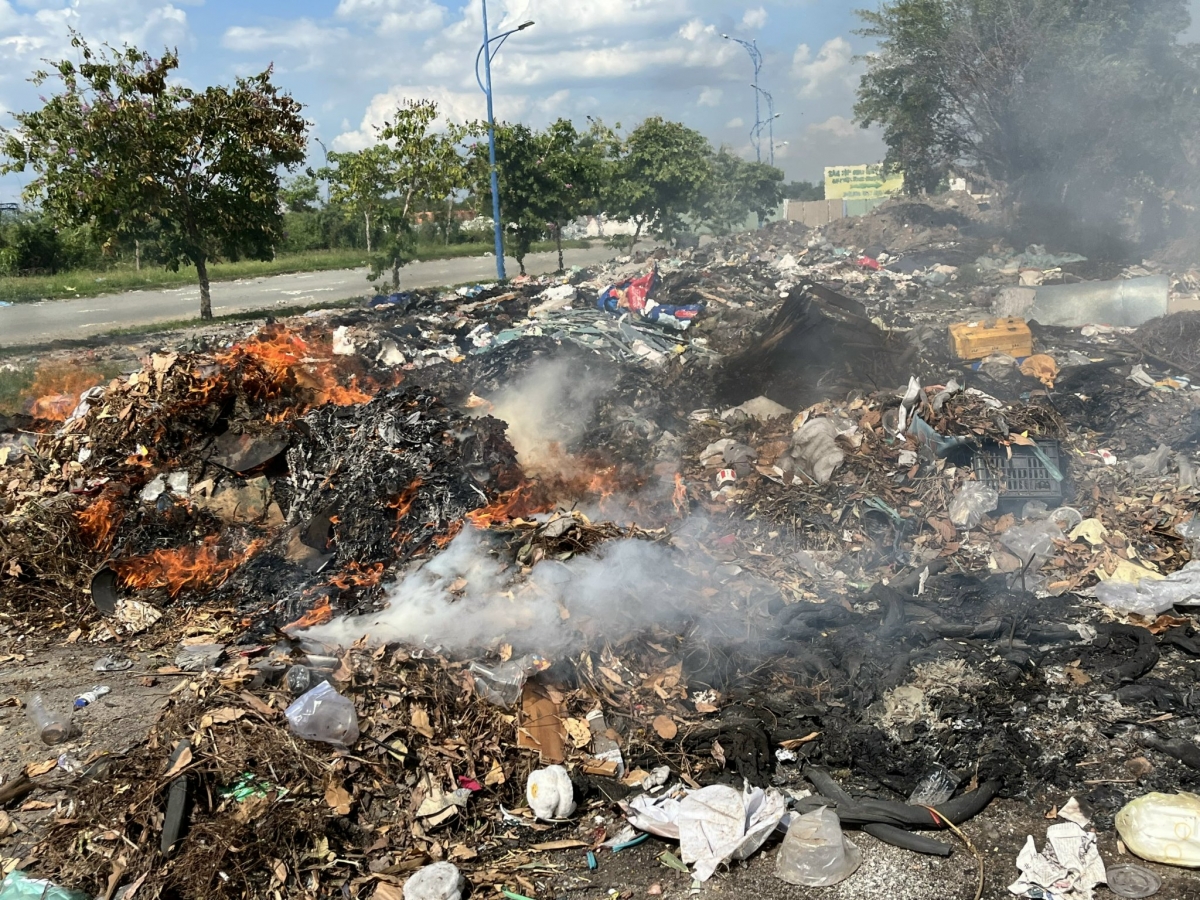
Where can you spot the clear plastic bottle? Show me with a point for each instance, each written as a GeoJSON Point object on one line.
{"type": "Point", "coordinates": [53, 727]}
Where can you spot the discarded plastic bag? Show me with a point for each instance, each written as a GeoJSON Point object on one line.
{"type": "Point", "coordinates": [502, 684]}
{"type": "Point", "coordinates": [713, 825]}
{"type": "Point", "coordinates": [19, 886]}
{"type": "Point", "coordinates": [550, 793]}
{"type": "Point", "coordinates": [323, 714]}
{"type": "Point", "coordinates": [973, 501]}
{"type": "Point", "coordinates": [438, 881]}
{"type": "Point", "coordinates": [1162, 828]}
{"type": "Point", "coordinates": [1153, 595]}
{"type": "Point", "coordinates": [1033, 542]}
{"type": "Point", "coordinates": [815, 853]}
{"type": "Point", "coordinates": [815, 449]}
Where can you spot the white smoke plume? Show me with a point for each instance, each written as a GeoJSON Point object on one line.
{"type": "Point", "coordinates": [468, 598]}
{"type": "Point", "coordinates": [547, 410]}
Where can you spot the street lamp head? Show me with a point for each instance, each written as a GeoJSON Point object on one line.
{"type": "Point", "coordinates": [524, 25]}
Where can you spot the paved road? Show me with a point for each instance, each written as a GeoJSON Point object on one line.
{"type": "Point", "coordinates": [30, 323]}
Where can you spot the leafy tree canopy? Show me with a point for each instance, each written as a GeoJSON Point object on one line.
{"type": "Point", "coordinates": [1088, 103]}
{"type": "Point", "coordinates": [124, 149]}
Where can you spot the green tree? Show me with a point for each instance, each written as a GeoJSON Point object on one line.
{"type": "Point", "coordinates": [519, 170]}
{"type": "Point", "coordinates": [359, 182]}
{"type": "Point", "coordinates": [124, 150]}
{"type": "Point", "coordinates": [424, 167]}
{"type": "Point", "coordinates": [804, 190]}
{"type": "Point", "coordinates": [301, 194]}
{"type": "Point", "coordinates": [1089, 104]}
{"type": "Point", "coordinates": [739, 189]}
{"type": "Point", "coordinates": [661, 174]}
{"type": "Point", "coordinates": [570, 169]}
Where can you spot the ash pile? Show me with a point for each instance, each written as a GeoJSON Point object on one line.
{"type": "Point", "coordinates": [822, 546]}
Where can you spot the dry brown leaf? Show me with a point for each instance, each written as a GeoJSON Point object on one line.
{"type": "Point", "coordinates": [578, 732]}
{"type": "Point", "coordinates": [36, 805]}
{"type": "Point", "coordinates": [338, 798]}
{"type": "Point", "coordinates": [74, 636]}
{"type": "Point", "coordinates": [258, 705]}
{"type": "Point", "coordinates": [1078, 676]}
{"type": "Point", "coordinates": [666, 728]}
{"type": "Point", "coordinates": [223, 716]}
{"type": "Point", "coordinates": [560, 845]}
{"type": "Point", "coordinates": [462, 851]}
{"type": "Point", "coordinates": [420, 722]}
{"type": "Point", "coordinates": [718, 753]}
{"type": "Point", "coordinates": [386, 891]}
{"type": "Point", "coordinates": [33, 770]}
{"type": "Point", "coordinates": [279, 871]}
{"type": "Point", "coordinates": [703, 706]}
{"type": "Point", "coordinates": [611, 675]}
{"type": "Point", "coordinates": [6, 825]}
{"type": "Point", "coordinates": [796, 742]}
{"type": "Point", "coordinates": [184, 760]}
{"type": "Point", "coordinates": [495, 775]}
{"type": "Point", "coordinates": [1053, 813]}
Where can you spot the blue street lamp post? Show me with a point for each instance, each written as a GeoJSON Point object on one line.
{"type": "Point", "coordinates": [756, 58]}
{"type": "Point", "coordinates": [769, 123]}
{"type": "Point", "coordinates": [488, 55]}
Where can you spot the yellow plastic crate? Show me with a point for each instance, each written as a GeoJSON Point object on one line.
{"type": "Point", "coordinates": [977, 340]}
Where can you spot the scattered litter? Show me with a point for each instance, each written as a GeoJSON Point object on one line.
{"type": "Point", "coordinates": [815, 853]}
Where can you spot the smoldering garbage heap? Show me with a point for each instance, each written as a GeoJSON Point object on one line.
{"type": "Point", "coordinates": [805, 583]}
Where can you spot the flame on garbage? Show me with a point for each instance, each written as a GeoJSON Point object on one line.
{"type": "Point", "coordinates": [56, 390]}
{"type": "Point", "coordinates": [206, 565]}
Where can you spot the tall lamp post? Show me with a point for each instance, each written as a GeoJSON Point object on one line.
{"type": "Point", "coordinates": [756, 58]}
{"type": "Point", "coordinates": [488, 54]}
{"type": "Point", "coordinates": [768, 124]}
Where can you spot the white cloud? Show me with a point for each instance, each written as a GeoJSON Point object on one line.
{"type": "Point", "coordinates": [834, 61]}
{"type": "Point", "coordinates": [837, 126]}
{"type": "Point", "coordinates": [27, 39]}
{"type": "Point", "coordinates": [453, 106]}
{"type": "Point", "coordinates": [735, 122]}
{"type": "Point", "coordinates": [754, 19]}
{"type": "Point", "coordinates": [394, 17]}
{"type": "Point", "coordinates": [710, 97]}
{"type": "Point", "coordinates": [303, 34]}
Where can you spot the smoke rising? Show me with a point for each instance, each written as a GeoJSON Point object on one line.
{"type": "Point", "coordinates": [547, 410]}
{"type": "Point", "coordinates": [468, 597]}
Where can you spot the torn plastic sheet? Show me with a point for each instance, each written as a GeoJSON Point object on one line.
{"type": "Point", "coordinates": [713, 825]}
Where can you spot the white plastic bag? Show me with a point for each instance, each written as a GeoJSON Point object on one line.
{"type": "Point", "coordinates": [323, 714]}
{"type": "Point", "coordinates": [438, 881]}
{"type": "Point", "coordinates": [815, 853]}
{"type": "Point", "coordinates": [550, 793]}
{"type": "Point", "coordinates": [1163, 828]}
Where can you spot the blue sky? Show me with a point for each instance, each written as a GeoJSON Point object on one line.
{"type": "Point", "coordinates": [350, 62]}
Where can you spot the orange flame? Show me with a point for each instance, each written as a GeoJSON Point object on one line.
{"type": "Point", "coordinates": [285, 356]}
{"type": "Point", "coordinates": [679, 499]}
{"type": "Point", "coordinates": [356, 576]}
{"type": "Point", "coordinates": [318, 615]}
{"type": "Point", "coordinates": [56, 390]}
{"type": "Point", "coordinates": [517, 503]}
{"type": "Point", "coordinates": [185, 567]}
{"type": "Point", "coordinates": [404, 502]}
{"type": "Point", "coordinates": [99, 521]}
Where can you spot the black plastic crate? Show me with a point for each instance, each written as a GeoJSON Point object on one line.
{"type": "Point", "coordinates": [1025, 476]}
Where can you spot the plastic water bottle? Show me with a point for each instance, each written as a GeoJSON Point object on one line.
{"type": "Point", "coordinates": [53, 727]}
{"type": "Point", "coordinates": [90, 697]}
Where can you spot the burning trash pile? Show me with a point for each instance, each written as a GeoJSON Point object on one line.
{"type": "Point", "coordinates": [781, 548]}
